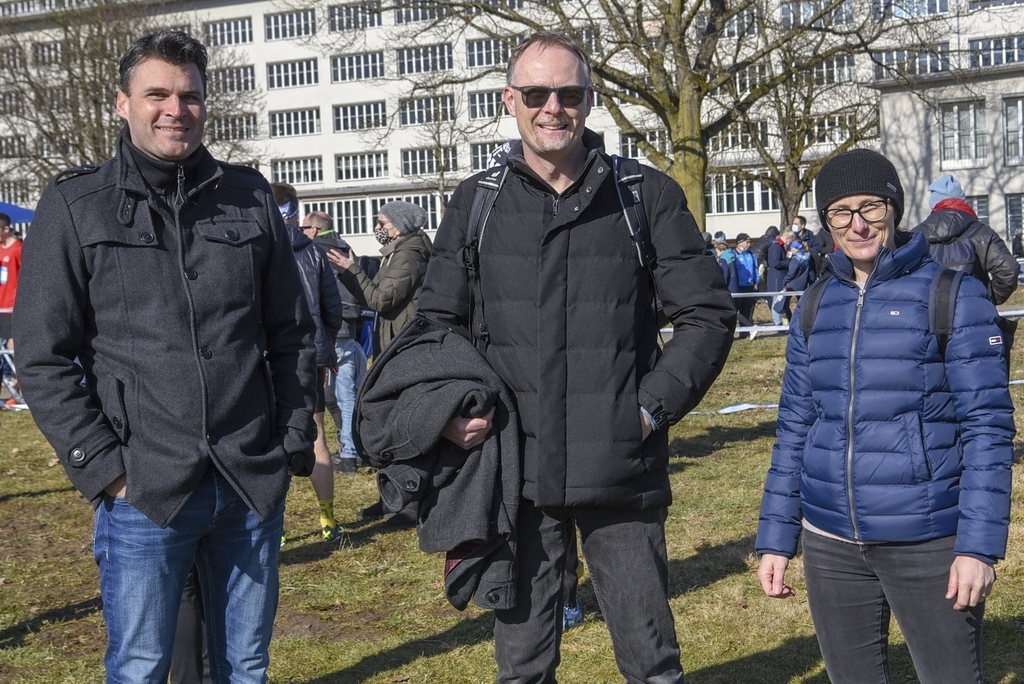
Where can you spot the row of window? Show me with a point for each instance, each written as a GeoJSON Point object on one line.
{"type": "Point", "coordinates": [965, 138]}
{"type": "Point", "coordinates": [366, 165]}
{"type": "Point", "coordinates": [358, 216]}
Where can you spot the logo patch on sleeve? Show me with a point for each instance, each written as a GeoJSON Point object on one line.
{"type": "Point", "coordinates": [994, 340]}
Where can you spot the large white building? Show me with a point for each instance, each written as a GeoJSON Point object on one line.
{"type": "Point", "coordinates": [361, 105]}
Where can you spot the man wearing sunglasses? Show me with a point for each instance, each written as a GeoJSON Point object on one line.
{"type": "Point", "coordinates": [571, 330]}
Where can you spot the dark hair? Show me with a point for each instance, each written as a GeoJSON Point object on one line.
{"type": "Point", "coordinates": [284, 193]}
{"type": "Point", "coordinates": [803, 220]}
{"type": "Point", "coordinates": [5, 220]}
{"type": "Point", "coordinates": [549, 39]}
{"type": "Point", "coordinates": [175, 47]}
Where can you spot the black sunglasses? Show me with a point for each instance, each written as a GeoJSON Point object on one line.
{"type": "Point", "coordinates": [537, 96]}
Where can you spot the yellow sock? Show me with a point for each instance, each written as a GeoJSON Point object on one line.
{"type": "Point", "coordinates": [327, 514]}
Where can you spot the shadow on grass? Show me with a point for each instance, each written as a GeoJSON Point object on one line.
{"type": "Point", "coordinates": [39, 492]}
{"type": "Point", "coordinates": [307, 547]}
{"type": "Point", "coordinates": [14, 636]}
{"type": "Point", "coordinates": [466, 633]}
{"type": "Point", "coordinates": [714, 439]}
{"type": "Point", "coordinates": [709, 565]}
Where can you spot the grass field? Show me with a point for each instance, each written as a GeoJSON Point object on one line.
{"type": "Point", "coordinates": [374, 611]}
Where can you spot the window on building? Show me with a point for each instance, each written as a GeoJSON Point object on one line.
{"type": "Point", "coordinates": [426, 161]}
{"type": "Point", "coordinates": [743, 23]}
{"type": "Point", "coordinates": [424, 59]}
{"type": "Point", "coordinates": [357, 67]}
{"type": "Point", "coordinates": [240, 79]}
{"type": "Point", "coordinates": [628, 147]}
{"type": "Point", "coordinates": [509, 4]}
{"type": "Point", "coordinates": [15, 192]}
{"type": "Point", "coordinates": [739, 136]}
{"type": "Point", "coordinates": [908, 9]}
{"type": "Point", "coordinates": [354, 17]}
{"type": "Point", "coordinates": [816, 13]}
{"type": "Point", "coordinates": [424, 110]}
{"type": "Point", "coordinates": [352, 217]}
{"type": "Point", "coordinates": [297, 171]}
{"type": "Point", "coordinates": [964, 136]}
{"type": "Point", "coordinates": [429, 204]}
{"type": "Point", "coordinates": [487, 53]}
{"type": "Point", "coordinates": [296, 122]}
{"type": "Point", "coordinates": [362, 166]}
{"type": "Point", "coordinates": [292, 74]}
{"type": "Point", "coordinates": [360, 117]}
{"type": "Point", "coordinates": [411, 11]}
{"type": "Point", "coordinates": [47, 54]}
{"type": "Point", "coordinates": [11, 57]}
{"type": "Point", "coordinates": [228, 32]}
{"type": "Point", "coordinates": [234, 128]}
{"type": "Point", "coordinates": [1014, 215]}
{"type": "Point", "coordinates": [984, 4]}
{"type": "Point", "coordinates": [832, 129]}
{"type": "Point", "coordinates": [989, 52]}
{"type": "Point", "coordinates": [729, 195]}
{"type": "Point", "coordinates": [13, 146]}
{"type": "Point", "coordinates": [480, 154]}
{"type": "Point", "coordinates": [839, 69]}
{"type": "Point", "coordinates": [10, 102]}
{"type": "Point", "coordinates": [52, 145]}
{"type": "Point", "coordinates": [290, 24]}
{"type": "Point", "coordinates": [488, 105]}
{"type": "Point", "coordinates": [1013, 117]}
{"type": "Point", "coordinates": [916, 62]}
{"type": "Point", "coordinates": [979, 203]}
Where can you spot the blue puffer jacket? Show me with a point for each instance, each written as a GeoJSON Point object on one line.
{"type": "Point", "coordinates": [878, 440]}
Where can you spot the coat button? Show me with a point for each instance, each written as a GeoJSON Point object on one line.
{"type": "Point", "coordinates": [191, 275]}
{"type": "Point", "coordinates": [576, 209]}
{"type": "Point", "coordinates": [206, 353]}
{"type": "Point", "coordinates": [600, 169]}
{"type": "Point", "coordinates": [493, 596]}
{"type": "Point", "coordinates": [411, 485]}
{"type": "Point", "coordinates": [231, 235]}
{"type": "Point", "coordinates": [77, 455]}
{"type": "Point", "coordinates": [148, 238]}
{"type": "Point", "coordinates": [116, 422]}
{"type": "Point", "coordinates": [589, 189]}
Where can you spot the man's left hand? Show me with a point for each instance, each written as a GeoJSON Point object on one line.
{"type": "Point", "coordinates": [645, 427]}
{"type": "Point", "coordinates": [970, 582]}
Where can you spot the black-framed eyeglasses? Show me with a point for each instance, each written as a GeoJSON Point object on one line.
{"type": "Point", "coordinates": [870, 212]}
{"type": "Point", "coordinates": [535, 97]}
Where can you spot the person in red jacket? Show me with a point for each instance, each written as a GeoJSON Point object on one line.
{"type": "Point", "coordinates": [10, 264]}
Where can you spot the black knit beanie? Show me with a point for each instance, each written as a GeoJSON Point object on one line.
{"type": "Point", "coordinates": [857, 172]}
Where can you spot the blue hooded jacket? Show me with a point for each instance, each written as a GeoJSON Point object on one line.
{"type": "Point", "coordinates": [879, 440]}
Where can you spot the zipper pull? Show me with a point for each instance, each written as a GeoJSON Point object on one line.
{"type": "Point", "coordinates": [181, 184]}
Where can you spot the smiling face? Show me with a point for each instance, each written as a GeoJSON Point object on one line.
{"type": "Point", "coordinates": [165, 109]}
{"type": "Point", "coordinates": [553, 131]}
{"type": "Point", "coordinates": [861, 240]}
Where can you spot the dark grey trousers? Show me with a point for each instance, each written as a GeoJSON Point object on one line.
{"type": "Point", "coordinates": [852, 591]}
{"type": "Point", "coordinates": [625, 552]}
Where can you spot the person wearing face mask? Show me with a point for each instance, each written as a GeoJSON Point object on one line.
{"type": "Point", "coordinates": [892, 464]}
{"type": "Point", "coordinates": [393, 292]}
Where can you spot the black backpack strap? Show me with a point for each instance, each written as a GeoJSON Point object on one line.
{"type": "Point", "coordinates": [942, 304]}
{"type": "Point", "coordinates": [487, 189]}
{"type": "Point", "coordinates": [629, 181]}
{"type": "Point", "coordinates": [809, 303]}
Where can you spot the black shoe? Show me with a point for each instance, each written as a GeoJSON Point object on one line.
{"type": "Point", "coordinates": [346, 466]}
{"type": "Point", "coordinates": [403, 519]}
{"type": "Point", "coordinates": [371, 512]}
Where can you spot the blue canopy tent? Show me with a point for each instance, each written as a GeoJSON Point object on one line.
{"type": "Point", "coordinates": [17, 214]}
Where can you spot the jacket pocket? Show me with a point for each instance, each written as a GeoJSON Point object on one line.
{"type": "Point", "coordinates": [229, 231]}
{"type": "Point", "coordinates": [111, 394]}
{"type": "Point", "coordinates": [915, 445]}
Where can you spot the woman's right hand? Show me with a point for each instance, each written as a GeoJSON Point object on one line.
{"type": "Point", "coordinates": [772, 574]}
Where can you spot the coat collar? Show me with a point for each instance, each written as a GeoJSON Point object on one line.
{"type": "Point", "coordinates": [200, 168]}
{"type": "Point", "coordinates": [910, 253]}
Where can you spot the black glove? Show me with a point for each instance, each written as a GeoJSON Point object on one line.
{"type": "Point", "coordinates": [298, 449]}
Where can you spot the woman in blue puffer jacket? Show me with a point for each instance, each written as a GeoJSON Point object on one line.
{"type": "Point", "coordinates": [891, 462]}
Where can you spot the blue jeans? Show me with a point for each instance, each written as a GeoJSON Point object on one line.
{"type": "Point", "coordinates": [143, 569]}
{"type": "Point", "coordinates": [852, 590]}
{"type": "Point", "coordinates": [351, 369]}
{"type": "Point", "coordinates": [625, 551]}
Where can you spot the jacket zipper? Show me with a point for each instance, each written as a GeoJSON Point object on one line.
{"type": "Point", "coordinates": [849, 407]}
